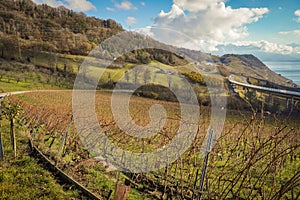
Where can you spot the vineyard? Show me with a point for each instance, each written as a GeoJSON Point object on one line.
{"type": "Point", "coordinates": [256, 157]}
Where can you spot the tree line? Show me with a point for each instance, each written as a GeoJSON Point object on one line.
{"type": "Point", "coordinates": [51, 29]}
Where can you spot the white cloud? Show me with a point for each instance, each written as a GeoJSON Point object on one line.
{"type": "Point", "coordinates": [77, 5]}
{"type": "Point", "coordinates": [174, 13]}
{"type": "Point", "coordinates": [110, 9]}
{"type": "Point", "coordinates": [80, 5]}
{"type": "Point", "coordinates": [130, 21]}
{"type": "Point", "coordinates": [125, 5]}
{"type": "Point", "coordinates": [143, 4]}
{"type": "Point", "coordinates": [53, 3]}
{"type": "Point", "coordinates": [268, 47]}
{"type": "Point", "coordinates": [207, 22]}
{"type": "Point", "coordinates": [296, 32]}
{"type": "Point", "coordinates": [145, 31]}
{"type": "Point", "coordinates": [196, 5]}
{"type": "Point", "coordinates": [297, 13]}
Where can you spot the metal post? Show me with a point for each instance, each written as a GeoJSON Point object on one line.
{"type": "Point", "coordinates": [292, 104]}
{"type": "Point", "coordinates": [209, 140]}
{"type": "Point", "coordinates": [270, 100]}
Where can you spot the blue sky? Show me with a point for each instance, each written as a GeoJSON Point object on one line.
{"type": "Point", "coordinates": [217, 26]}
{"type": "Point", "coordinates": [145, 12]}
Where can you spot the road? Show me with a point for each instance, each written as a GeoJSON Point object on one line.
{"type": "Point", "coordinates": [2, 95]}
{"type": "Point", "coordinates": [266, 89]}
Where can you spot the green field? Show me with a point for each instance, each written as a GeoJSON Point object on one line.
{"type": "Point", "coordinates": [52, 70]}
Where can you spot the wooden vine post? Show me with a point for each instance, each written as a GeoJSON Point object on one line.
{"type": "Point", "coordinates": [1, 143]}
{"type": "Point", "coordinates": [11, 111]}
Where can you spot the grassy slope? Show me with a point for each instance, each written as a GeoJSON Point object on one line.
{"type": "Point", "coordinates": [31, 79]}
{"type": "Point", "coordinates": [159, 73]}
{"type": "Point", "coordinates": [13, 85]}
{"type": "Point", "coordinates": [24, 178]}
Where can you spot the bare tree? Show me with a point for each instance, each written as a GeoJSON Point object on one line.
{"type": "Point", "coordinates": [147, 76]}
{"type": "Point", "coordinates": [127, 76]}
{"type": "Point", "coordinates": [136, 73]}
{"type": "Point", "coordinates": [169, 81]}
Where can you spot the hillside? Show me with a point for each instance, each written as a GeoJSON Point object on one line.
{"type": "Point", "coordinates": [248, 60]}
{"type": "Point", "coordinates": [41, 27]}
{"type": "Point", "coordinates": [58, 39]}
{"type": "Point", "coordinates": [27, 29]}
{"type": "Point", "coordinates": [251, 66]}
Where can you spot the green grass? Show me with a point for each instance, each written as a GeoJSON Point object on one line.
{"type": "Point", "coordinates": [99, 179]}
{"type": "Point", "coordinates": [238, 79]}
{"type": "Point", "coordinates": [159, 74]}
{"type": "Point", "coordinates": [19, 76]}
{"type": "Point", "coordinates": [13, 85]}
{"type": "Point", "coordinates": [46, 58]}
{"type": "Point", "coordinates": [24, 178]}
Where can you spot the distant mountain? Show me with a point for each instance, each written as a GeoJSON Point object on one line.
{"type": "Point", "coordinates": [264, 56]}
{"type": "Point", "coordinates": [251, 66]}
{"type": "Point", "coordinates": [248, 60]}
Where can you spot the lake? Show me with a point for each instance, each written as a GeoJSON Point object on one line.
{"type": "Point", "coordinates": [288, 69]}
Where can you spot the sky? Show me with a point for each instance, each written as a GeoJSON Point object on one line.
{"type": "Point", "coordinates": [264, 27]}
